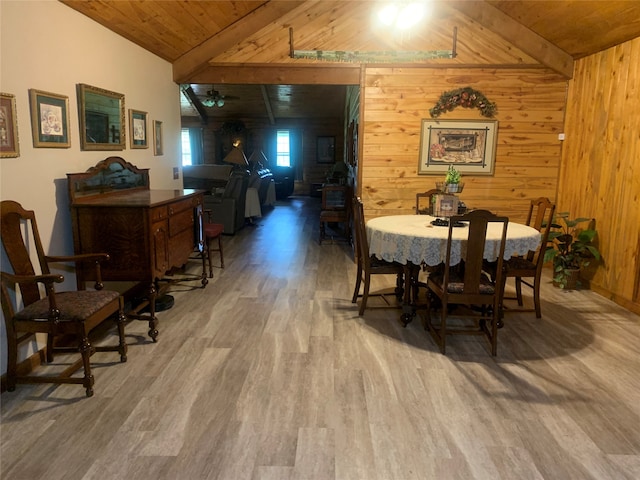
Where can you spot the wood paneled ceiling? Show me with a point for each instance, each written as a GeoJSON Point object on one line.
{"type": "Point", "coordinates": [202, 39]}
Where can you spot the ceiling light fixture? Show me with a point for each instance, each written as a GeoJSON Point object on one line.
{"type": "Point", "coordinates": [402, 15]}
{"type": "Point", "coordinates": [214, 99]}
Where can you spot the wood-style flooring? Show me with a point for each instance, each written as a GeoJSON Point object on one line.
{"type": "Point", "coordinates": [270, 374]}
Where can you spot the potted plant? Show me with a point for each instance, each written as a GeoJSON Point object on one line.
{"type": "Point", "coordinates": [452, 183]}
{"type": "Point", "coordinates": [571, 248]}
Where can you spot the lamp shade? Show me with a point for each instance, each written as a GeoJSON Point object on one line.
{"type": "Point", "coordinates": [236, 156]}
{"type": "Point", "coordinates": [258, 156]}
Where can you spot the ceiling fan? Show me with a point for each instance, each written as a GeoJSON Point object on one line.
{"type": "Point", "coordinates": [213, 99]}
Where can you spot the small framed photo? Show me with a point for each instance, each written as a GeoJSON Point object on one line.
{"type": "Point", "coordinates": [9, 146]}
{"type": "Point", "coordinates": [49, 119]}
{"type": "Point", "coordinates": [138, 129]}
{"type": "Point", "coordinates": [326, 150]}
{"type": "Point", "coordinates": [157, 137]}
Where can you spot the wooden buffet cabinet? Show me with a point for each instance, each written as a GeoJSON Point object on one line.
{"type": "Point", "coordinates": [146, 233]}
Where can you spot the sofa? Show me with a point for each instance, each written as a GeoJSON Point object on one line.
{"type": "Point", "coordinates": [225, 192]}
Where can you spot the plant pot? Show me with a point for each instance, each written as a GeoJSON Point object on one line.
{"type": "Point", "coordinates": [572, 276]}
{"type": "Point", "coordinates": [450, 187]}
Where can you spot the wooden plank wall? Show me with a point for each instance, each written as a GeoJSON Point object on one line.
{"type": "Point", "coordinates": [600, 174]}
{"type": "Point", "coordinates": [531, 106]}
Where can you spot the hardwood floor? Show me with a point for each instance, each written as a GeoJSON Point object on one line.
{"type": "Point", "coordinates": [270, 374]}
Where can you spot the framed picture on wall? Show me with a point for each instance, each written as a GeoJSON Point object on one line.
{"type": "Point", "coordinates": [468, 145]}
{"type": "Point", "coordinates": [9, 146]}
{"type": "Point", "coordinates": [157, 137]}
{"type": "Point", "coordinates": [49, 119]}
{"type": "Point", "coordinates": [326, 150]}
{"type": "Point", "coordinates": [138, 129]}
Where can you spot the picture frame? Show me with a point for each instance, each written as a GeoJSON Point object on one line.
{"type": "Point", "coordinates": [9, 144]}
{"type": "Point", "coordinates": [157, 138]}
{"type": "Point", "coordinates": [468, 145]}
{"type": "Point", "coordinates": [138, 129]}
{"type": "Point", "coordinates": [49, 119]}
{"type": "Point", "coordinates": [326, 150]}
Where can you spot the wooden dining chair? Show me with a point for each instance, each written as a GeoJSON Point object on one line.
{"type": "Point", "coordinates": [466, 285]}
{"type": "Point", "coordinates": [424, 201]}
{"type": "Point", "coordinates": [529, 266]}
{"type": "Point", "coordinates": [370, 265]}
{"type": "Point", "coordinates": [56, 314]}
{"type": "Point", "coordinates": [336, 208]}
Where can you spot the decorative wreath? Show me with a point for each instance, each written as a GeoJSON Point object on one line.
{"type": "Point", "coordinates": [464, 97]}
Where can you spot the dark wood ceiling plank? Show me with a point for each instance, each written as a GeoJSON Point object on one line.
{"type": "Point", "coordinates": [267, 104]}
{"type": "Point", "coordinates": [520, 36]}
{"type": "Point", "coordinates": [197, 104]}
{"type": "Point", "coordinates": [197, 58]}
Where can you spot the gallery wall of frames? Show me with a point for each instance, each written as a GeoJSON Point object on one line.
{"type": "Point", "coordinates": [103, 124]}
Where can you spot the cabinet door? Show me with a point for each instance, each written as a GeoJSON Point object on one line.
{"type": "Point", "coordinates": [160, 241]}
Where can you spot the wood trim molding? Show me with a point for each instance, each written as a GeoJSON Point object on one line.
{"type": "Point", "coordinates": [279, 74]}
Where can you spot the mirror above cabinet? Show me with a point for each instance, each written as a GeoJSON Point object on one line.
{"type": "Point", "coordinates": [102, 118]}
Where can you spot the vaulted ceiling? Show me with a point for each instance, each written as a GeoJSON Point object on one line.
{"type": "Point", "coordinates": [220, 44]}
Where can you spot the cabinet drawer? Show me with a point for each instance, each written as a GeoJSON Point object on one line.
{"type": "Point", "coordinates": [158, 213]}
{"type": "Point", "coordinates": [181, 221]}
{"type": "Point", "coordinates": [187, 204]}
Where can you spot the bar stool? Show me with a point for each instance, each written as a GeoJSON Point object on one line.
{"type": "Point", "coordinates": [211, 232]}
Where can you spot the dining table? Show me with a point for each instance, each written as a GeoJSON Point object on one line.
{"type": "Point", "coordinates": [417, 240]}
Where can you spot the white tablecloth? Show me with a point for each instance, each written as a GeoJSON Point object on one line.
{"type": "Point", "coordinates": [403, 238]}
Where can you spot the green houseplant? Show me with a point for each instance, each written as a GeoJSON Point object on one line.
{"type": "Point", "coordinates": [570, 248]}
{"type": "Point", "coordinates": [452, 183]}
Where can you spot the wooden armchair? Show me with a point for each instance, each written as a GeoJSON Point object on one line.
{"type": "Point", "coordinates": [73, 313]}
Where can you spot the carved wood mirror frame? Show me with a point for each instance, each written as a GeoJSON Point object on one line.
{"type": "Point", "coordinates": [102, 118]}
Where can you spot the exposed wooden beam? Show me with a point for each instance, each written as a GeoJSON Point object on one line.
{"type": "Point", "coordinates": [279, 74]}
{"type": "Point", "coordinates": [197, 104]}
{"type": "Point", "coordinates": [197, 58]}
{"type": "Point", "coordinates": [520, 36]}
{"type": "Point", "coordinates": [267, 104]}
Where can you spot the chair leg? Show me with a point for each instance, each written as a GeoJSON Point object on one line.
{"type": "Point", "coordinates": [365, 294]}
{"type": "Point", "coordinates": [519, 290]}
{"type": "Point", "coordinates": [209, 257]}
{"type": "Point", "coordinates": [220, 250]}
{"type": "Point", "coordinates": [122, 344]}
{"type": "Point", "coordinates": [12, 361]}
{"type": "Point", "coordinates": [536, 295]}
{"type": "Point", "coordinates": [443, 328]}
{"type": "Point", "coordinates": [50, 347]}
{"type": "Point", "coordinates": [494, 329]}
{"type": "Point", "coordinates": [356, 290]}
{"type": "Point", "coordinates": [85, 351]}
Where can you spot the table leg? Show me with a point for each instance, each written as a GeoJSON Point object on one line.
{"type": "Point", "coordinates": [411, 272]}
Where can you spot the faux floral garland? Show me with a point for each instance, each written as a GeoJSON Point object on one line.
{"type": "Point", "coordinates": [464, 97]}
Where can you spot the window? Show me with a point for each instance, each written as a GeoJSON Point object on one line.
{"type": "Point", "coordinates": [186, 147]}
{"type": "Point", "coordinates": [192, 147]}
{"type": "Point", "coordinates": [283, 148]}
